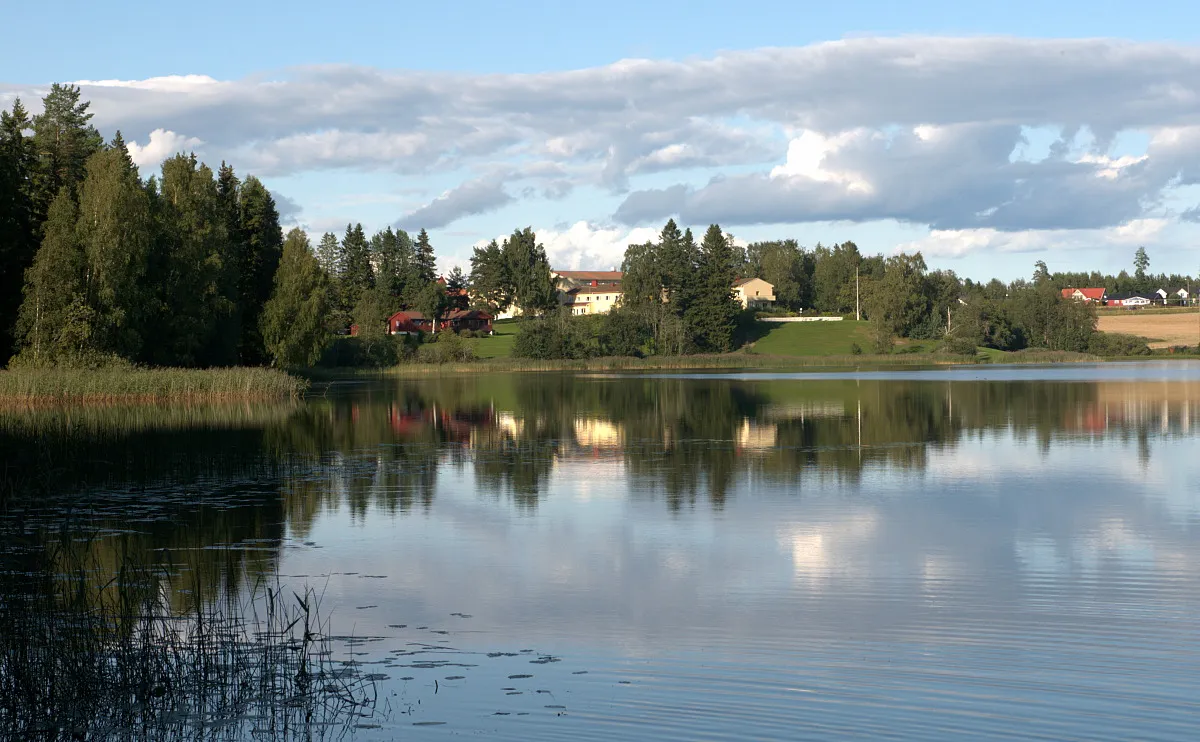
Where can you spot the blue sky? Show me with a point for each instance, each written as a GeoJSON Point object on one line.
{"type": "Point", "coordinates": [477, 117]}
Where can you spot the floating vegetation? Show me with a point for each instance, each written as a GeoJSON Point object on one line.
{"type": "Point", "coordinates": [80, 661]}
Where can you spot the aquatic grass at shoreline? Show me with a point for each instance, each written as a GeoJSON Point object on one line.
{"type": "Point", "coordinates": [53, 386]}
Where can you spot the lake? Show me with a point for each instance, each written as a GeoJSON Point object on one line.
{"type": "Point", "coordinates": [979, 552]}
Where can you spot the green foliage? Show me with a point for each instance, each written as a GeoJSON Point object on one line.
{"type": "Point", "coordinates": [117, 380]}
{"type": "Point", "coordinates": [196, 268]}
{"type": "Point", "coordinates": [423, 260]}
{"type": "Point", "coordinates": [558, 336]}
{"type": "Point", "coordinates": [447, 348]}
{"type": "Point", "coordinates": [358, 276]}
{"type": "Point", "coordinates": [262, 250]}
{"type": "Point", "coordinates": [833, 277]}
{"type": "Point", "coordinates": [528, 271]}
{"type": "Point", "coordinates": [381, 351]}
{"type": "Point", "coordinates": [293, 321]}
{"type": "Point", "coordinates": [712, 315]}
{"type": "Point", "coordinates": [18, 217]}
{"type": "Point", "coordinates": [1117, 344]}
{"type": "Point", "coordinates": [489, 280]}
{"type": "Point", "coordinates": [784, 265]}
{"type": "Point", "coordinates": [116, 232]}
{"type": "Point", "coordinates": [1141, 262]}
{"type": "Point", "coordinates": [64, 140]}
{"type": "Point", "coordinates": [896, 304]}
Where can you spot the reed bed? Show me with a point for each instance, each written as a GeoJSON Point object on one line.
{"type": "Point", "coordinates": [80, 662]}
{"type": "Point", "coordinates": [55, 386]}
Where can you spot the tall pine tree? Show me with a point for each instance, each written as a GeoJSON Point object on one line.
{"type": "Point", "coordinates": [424, 261]}
{"type": "Point", "coordinates": [64, 139]}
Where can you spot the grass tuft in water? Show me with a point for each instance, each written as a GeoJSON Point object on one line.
{"type": "Point", "coordinates": [112, 662]}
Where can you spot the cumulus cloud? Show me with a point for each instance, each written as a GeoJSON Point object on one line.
{"type": "Point", "coordinates": [474, 197]}
{"type": "Point", "coordinates": [954, 243]}
{"type": "Point", "coordinates": [585, 246]}
{"type": "Point", "coordinates": [160, 145]}
{"type": "Point", "coordinates": [921, 130]}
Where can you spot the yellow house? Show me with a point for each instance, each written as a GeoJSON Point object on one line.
{"type": "Point", "coordinates": [593, 299]}
{"type": "Point", "coordinates": [754, 293]}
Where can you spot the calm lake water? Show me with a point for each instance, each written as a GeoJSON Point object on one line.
{"type": "Point", "coordinates": [978, 553]}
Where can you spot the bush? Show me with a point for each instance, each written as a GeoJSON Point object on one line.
{"type": "Point", "coordinates": [360, 352]}
{"type": "Point", "coordinates": [855, 349]}
{"type": "Point", "coordinates": [1116, 344]}
{"type": "Point", "coordinates": [559, 336]}
{"type": "Point", "coordinates": [959, 346]}
{"type": "Point", "coordinates": [446, 348]}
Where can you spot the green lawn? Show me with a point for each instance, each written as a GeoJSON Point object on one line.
{"type": "Point", "coordinates": [813, 338]}
{"type": "Point", "coordinates": [499, 345]}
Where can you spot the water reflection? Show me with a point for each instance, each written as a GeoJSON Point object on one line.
{"type": "Point", "coordinates": [911, 551]}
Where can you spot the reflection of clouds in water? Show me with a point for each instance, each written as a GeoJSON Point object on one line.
{"type": "Point", "coordinates": [827, 551]}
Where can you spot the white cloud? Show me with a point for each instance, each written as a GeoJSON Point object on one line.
{"type": "Point", "coordinates": [956, 243]}
{"type": "Point", "coordinates": [584, 246]}
{"type": "Point", "coordinates": [474, 197]}
{"type": "Point", "coordinates": [161, 145]}
{"type": "Point", "coordinates": [919, 130]}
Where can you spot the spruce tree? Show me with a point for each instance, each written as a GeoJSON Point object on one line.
{"type": "Point", "coordinates": [713, 313]}
{"type": "Point", "coordinates": [115, 230]}
{"type": "Point", "coordinates": [293, 322]}
{"type": "Point", "coordinates": [424, 261]}
{"type": "Point", "coordinates": [18, 243]}
{"type": "Point", "coordinates": [358, 276]}
{"type": "Point", "coordinates": [490, 282]}
{"type": "Point", "coordinates": [329, 255]}
{"type": "Point", "coordinates": [54, 292]}
{"type": "Point", "coordinates": [262, 249]}
{"type": "Point", "coordinates": [456, 285]}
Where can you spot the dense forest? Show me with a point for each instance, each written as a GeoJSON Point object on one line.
{"type": "Point", "coordinates": [189, 267]}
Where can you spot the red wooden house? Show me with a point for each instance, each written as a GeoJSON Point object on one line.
{"type": "Point", "coordinates": [466, 319]}
{"type": "Point", "coordinates": [408, 323]}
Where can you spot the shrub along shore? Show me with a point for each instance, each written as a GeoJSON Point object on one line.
{"type": "Point", "coordinates": [51, 386]}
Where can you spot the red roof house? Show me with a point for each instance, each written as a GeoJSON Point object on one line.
{"type": "Point", "coordinates": [1084, 294]}
{"type": "Point", "coordinates": [408, 323]}
{"type": "Point", "coordinates": [466, 319]}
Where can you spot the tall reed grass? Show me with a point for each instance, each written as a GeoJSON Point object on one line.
{"type": "Point", "coordinates": [41, 386]}
{"type": "Point", "coordinates": [108, 662]}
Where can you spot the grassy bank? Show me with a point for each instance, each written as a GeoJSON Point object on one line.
{"type": "Point", "coordinates": [51, 386]}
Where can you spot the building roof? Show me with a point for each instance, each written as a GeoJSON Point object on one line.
{"type": "Point", "coordinates": [612, 288]}
{"type": "Point", "coordinates": [590, 275]}
{"type": "Point", "coordinates": [468, 314]}
{"type": "Point", "coordinates": [1090, 293]}
{"type": "Point", "coordinates": [406, 315]}
{"type": "Point", "coordinates": [744, 281]}
{"type": "Point", "coordinates": [1124, 297]}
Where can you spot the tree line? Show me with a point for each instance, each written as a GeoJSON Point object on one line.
{"type": "Point", "coordinates": [189, 267]}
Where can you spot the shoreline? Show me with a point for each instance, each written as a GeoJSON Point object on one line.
{"type": "Point", "coordinates": [48, 387]}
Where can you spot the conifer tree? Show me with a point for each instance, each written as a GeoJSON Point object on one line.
{"type": "Point", "coordinates": [713, 313]}
{"type": "Point", "coordinates": [262, 249]}
{"type": "Point", "coordinates": [196, 282]}
{"type": "Point", "coordinates": [456, 285]}
{"type": "Point", "coordinates": [54, 292]}
{"type": "Point", "coordinates": [115, 230]}
{"type": "Point", "coordinates": [64, 139]}
{"type": "Point", "coordinates": [358, 276]}
{"type": "Point", "coordinates": [293, 320]}
{"type": "Point", "coordinates": [490, 282]}
{"type": "Point", "coordinates": [424, 261]}
{"type": "Point", "coordinates": [18, 244]}
{"type": "Point", "coordinates": [329, 255]}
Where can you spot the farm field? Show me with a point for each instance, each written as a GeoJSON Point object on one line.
{"type": "Point", "coordinates": [1162, 329]}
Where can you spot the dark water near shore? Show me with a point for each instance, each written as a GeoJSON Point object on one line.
{"type": "Point", "coordinates": [953, 554]}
